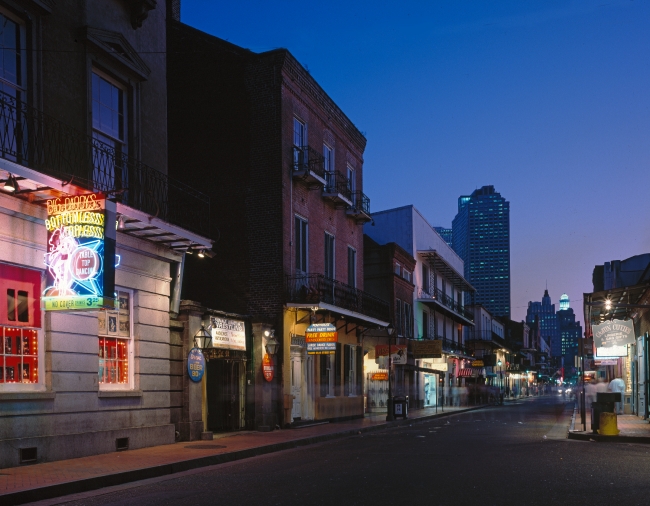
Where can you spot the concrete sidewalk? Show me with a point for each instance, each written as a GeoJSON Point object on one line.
{"type": "Point", "coordinates": [633, 429]}
{"type": "Point", "coordinates": [19, 485]}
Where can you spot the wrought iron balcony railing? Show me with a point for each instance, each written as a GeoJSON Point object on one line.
{"type": "Point", "coordinates": [306, 158]}
{"type": "Point", "coordinates": [316, 288]}
{"type": "Point", "coordinates": [337, 184]}
{"type": "Point", "coordinates": [450, 346]}
{"type": "Point", "coordinates": [444, 299]}
{"type": "Point", "coordinates": [360, 203]}
{"type": "Point", "coordinates": [31, 138]}
{"type": "Point", "coordinates": [483, 335]}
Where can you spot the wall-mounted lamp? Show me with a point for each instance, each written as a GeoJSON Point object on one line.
{"type": "Point", "coordinates": [11, 185]}
{"type": "Point", "coordinates": [272, 344]}
{"type": "Point", "coordinates": [120, 222]}
{"type": "Point", "coordinates": [201, 254]}
{"type": "Point", "coordinates": [203, 339]}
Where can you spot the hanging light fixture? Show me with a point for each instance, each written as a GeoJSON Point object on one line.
{"type": "Point", "coordinates": [201, 254]}
{"type": "Point", "coordinates": [272, 344]}
{"type": "Point", "coordinates": [203, 339]}
{"type": "Point", "coordinates": [11, 185]}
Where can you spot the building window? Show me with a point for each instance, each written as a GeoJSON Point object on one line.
{"type": "Point", "coordinates": [408, 320]}
{"type": "Point", "coordinates": [425, 278]}
{"type": "Point", "coordinates": [301, 245]}
{"type": "Point", "coordinates": [116, 344]}
{"type": "Point", "coordinates": [398, 269]}
{"type": "Point", "coordinates": [110, 170]}
{"type": "Point", "coordinates": [328, 162]}
{"type": "Point", "coordinates": [352, 182]}
{"type": "Point", "coordinates": [350, 366]}
{"type": "Point", "coordinates": [329, 256]}
{"type": "Point", "coordinates": [20, 321]}
{"type": "Point", "coordinates": [398, 317]}
{"type": "Point", "coordinates": [352, 267]}
{"type": "Point", "coordinates": [12, 63]}
{"type": "Point", "coordinates": [425, 324]}
{"type": "Point", "coordinates": [406, 275]}
{"type": "Point", "coordinates": [300, 152]}
{"type": "Point", "coordinates": [328, 375]}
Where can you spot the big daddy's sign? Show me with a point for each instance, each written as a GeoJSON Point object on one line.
{"type": "Point", "coordinates": [80, 255]}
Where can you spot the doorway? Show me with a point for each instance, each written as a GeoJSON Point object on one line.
{"type": "Point", "coordinates": [225, 394]}
{"type": "Point", "coordinates": [302, 384]}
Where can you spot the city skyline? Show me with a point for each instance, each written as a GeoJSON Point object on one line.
{"type": "Point", "coordinates": [545, 101]}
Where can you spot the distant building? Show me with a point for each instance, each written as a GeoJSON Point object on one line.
{"type": "Point", "coordinates": [569, 329]}
{"type": "Point", "coordinates": [446, 234]}
{"type": "Point", "coordinates": [481, 237]}
{"type": "Point", "coordinates": [545, 311]}
{"type": "Point", "coordinates": [621, 273]}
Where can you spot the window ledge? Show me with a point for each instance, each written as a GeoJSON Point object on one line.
{"type": "Point", "coordinates": [27, 396]}
{"type": "Point", "coordinates": [119, 393]}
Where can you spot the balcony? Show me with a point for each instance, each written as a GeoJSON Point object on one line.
{"type": "Point", "coordinates": [29, 138]}
{"type": "Point", "coordinates": [440, 301]}
{"type": "Point", "coordinates": [360, 208]}
{"type": "Point", "coordinates": [309, 166]}
{"type": "Point", "coordinates": [315, 290]}
{"type": "Point", "coordinates": [337, 190]}
{"type": "Point", "coordinates": [451, 347]}
{"type": "Point", "coordinates": [484, 336]}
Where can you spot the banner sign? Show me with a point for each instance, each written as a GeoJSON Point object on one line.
{"type": "Point", "coordinates": [598, 362]}
{"type": "Point", "coordinates": [321, 339]}
{"type": "Point", "coordinates": [426, 349]}
{"type": "Point", "coordinates": [478, 363]}
{"type": "Point", "coordinates": [612, 351]}
{"type": "Point", "coordinates": [613, 333]}
{"type": "Point", "coordinates": [267, 367]}
{"type": "Point", "coordinates": [398, 352]}
{"type": "Point", "coordinates": [195, 364]}
{"type": "Point", "coordinates": [80, 256]}
{"type": "Point", "coordinates": [379, 376]}
{"type": "Point", "coordinates": [227, 334]}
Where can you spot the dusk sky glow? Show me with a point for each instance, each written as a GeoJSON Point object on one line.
{"type": "Point", "coordinates": [546, 100]}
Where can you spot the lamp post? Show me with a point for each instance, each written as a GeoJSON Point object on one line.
{"type": "Point", "coordinates": [202, 339]}
{"type": "Point", "coordinates": [390, 416]}
{"type": "Point", "coordinates": [499, 363]}
{"type": "Point", "coordinates": [272, 343]}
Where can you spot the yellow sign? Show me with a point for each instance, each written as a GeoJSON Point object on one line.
{"type": "Point", "coordinates": [478, 363]}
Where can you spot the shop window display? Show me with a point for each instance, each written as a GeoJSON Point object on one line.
{"type": "Point", "coordinates": [115, 343]}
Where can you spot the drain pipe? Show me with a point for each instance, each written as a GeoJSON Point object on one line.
{"type": "Point", "coordinates": [177, 285]}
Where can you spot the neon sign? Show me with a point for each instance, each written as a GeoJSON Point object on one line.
{"type": "Point", "coordinates": [80, 254]}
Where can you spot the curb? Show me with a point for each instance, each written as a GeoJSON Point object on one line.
{"type": "Point", "coordinates": [121, 478]}
{"type": "Point", "coordinates": [586, 436]}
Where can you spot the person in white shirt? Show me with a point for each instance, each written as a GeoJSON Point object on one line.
{"type": "Point", "coordinates": [617, 385]}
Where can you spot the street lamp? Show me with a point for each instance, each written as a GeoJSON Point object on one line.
{"type": "Point", "coordinates": [499, 363]}
{"type": "Point", "coordinates": [203, 339]}
{"type": "Point", "coordinates": [272, 344]}
{"type": "Point", "coordinates": [390, 416]}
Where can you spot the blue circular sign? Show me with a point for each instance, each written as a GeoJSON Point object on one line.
{"type": "Point", "coordinates": [195, 364]}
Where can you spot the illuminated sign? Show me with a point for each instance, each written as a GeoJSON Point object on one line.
{"type": "Point", "coordinates": [80, 256]}
{"type": "Point", "coordinates": [267, 367]}
{"type": "Point", "coordinates": [379, 376]}
{"type": "Point", "coordinates": [426, 349]}
{"type": "Point", "coordinates": [613, 333]}
{"type": "Point", "coordinates": [611, 352]}
{"type": "Point", "coordinates": [321, 339]}
{"type": "Point", "coordinates": [195, 365]}
{"type": "Point", "coordinates": [398, 353]}
{"type": "Point", "coordinates": [227, 334]}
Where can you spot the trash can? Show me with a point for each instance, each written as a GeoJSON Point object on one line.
{"type": "Point", "coordinates": [400, 407]}
{"type": "Point", "coordinates": [604, 404]}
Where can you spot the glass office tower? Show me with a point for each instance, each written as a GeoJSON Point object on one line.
{"type": "Point", "coordinates": [481, 237]}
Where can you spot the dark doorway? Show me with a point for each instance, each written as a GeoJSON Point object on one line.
{"type": "Point", "coordinates": [223, 387]}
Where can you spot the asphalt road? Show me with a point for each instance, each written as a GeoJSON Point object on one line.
{"type": "Point", "coordinates": [515, 454]}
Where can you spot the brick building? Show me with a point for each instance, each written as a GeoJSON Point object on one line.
{"type": "Point", "coordinates": [87, 361]}
{"type": "Point", "coordinates": [285, 167]}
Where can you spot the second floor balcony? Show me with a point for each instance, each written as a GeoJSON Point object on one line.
{"type": "Point", "coordinates": [317, 290]}
{"type": "Point", "coordinates": [440, 301]}
{"type": "Point", "coordinates": [44, 145]}
{"type": "Point", "coordinates": [484, 336]}
{"type": "Point", "coordinates": [337, 190]}
{"type": "Point", "coordinates": [309, 166]}
{"type": "Point", "coordinates": [360, 208]}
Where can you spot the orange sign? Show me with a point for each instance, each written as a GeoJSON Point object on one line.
{"type": "Point", "coordinates": [267, 367]}
{"type": "Point", "coordinates": [379, 376]}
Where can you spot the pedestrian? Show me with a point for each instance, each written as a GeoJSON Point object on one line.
{"type": "Point", "coordinates": [617, 385]}
{"type": "Point", "coordinates": [455, 396]}
{"type": "Point", "coordinates": [590, 394]}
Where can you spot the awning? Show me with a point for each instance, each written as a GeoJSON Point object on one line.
{"type": "Point", "coordinates": [465, 373]}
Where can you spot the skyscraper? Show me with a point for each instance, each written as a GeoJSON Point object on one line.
{"type": "Point", "coordinates": [569, 330]}
{"type": "Point", "coordinates": [548, 327]}
{"type": "Point", "coordinates": [481, 237]}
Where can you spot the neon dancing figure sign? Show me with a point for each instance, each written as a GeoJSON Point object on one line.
{"type": "Point", "coordinates": [80, 254]}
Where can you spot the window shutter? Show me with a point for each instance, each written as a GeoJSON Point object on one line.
{"type": "Point", "coordinates": [359, 370]}
{"type": "Point", "coordinates": [323, 376]}
{"type": "Point", "coordinates": [346, 369]}
{"type": "Point", "coordinates": [337, 370]}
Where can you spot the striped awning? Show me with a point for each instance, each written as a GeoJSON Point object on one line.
{"type": "Point", "coordinates": [465, 373]}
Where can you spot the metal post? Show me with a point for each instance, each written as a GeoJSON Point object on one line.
{"type": "Point", "coordinates": [390, 415]}
{"type": "Point", "coordinates": [583, 417]}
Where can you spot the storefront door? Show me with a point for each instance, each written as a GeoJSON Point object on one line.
{"type": "Point", "coordinates": [296, 384]}
{"type": "Point", "coordinates": [224, 394]}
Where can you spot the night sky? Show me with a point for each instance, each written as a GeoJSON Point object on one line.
{"type": "Point", "coordinates": [549, 101]}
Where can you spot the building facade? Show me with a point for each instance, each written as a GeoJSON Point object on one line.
{"type": "Point", "coordinates": [439, 312]}
{"type": "Point", "coordinates": [569, 331]}
{"type": "Point", "coordinates": [287, 164]}
{"type": "Point", "coordinates": [94, 233]}
{"type": "Point", "coordinates": [481, 237]}
{"type": "Point", "coordinates": [544, 313]}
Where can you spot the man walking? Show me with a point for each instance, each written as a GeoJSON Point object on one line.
{"type": "Point", "coordinates": [617, 385]}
